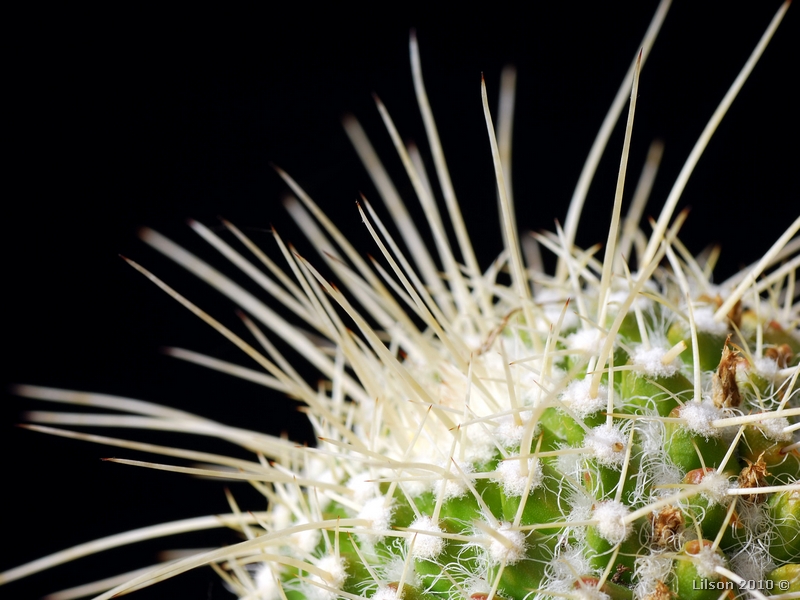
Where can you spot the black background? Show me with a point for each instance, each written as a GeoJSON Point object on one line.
{"type": "Point", "coordinates": [127, 119]}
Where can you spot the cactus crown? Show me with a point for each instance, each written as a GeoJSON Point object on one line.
{"type": "Point", "coordinates": [593, 433]}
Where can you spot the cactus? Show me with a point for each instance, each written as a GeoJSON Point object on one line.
{"type": "Point", "coordinates": [593, 433]}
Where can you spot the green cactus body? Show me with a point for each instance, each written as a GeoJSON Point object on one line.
{"type": "Point", "coordinates": [709, 344]}
{"type": "Point", "coordinates": [690, 450]}
{"type": "Point", "coordinates": [506, 434]}
{"type": "Point", "coordinates": [784, 509]}
{"type": "Point", "coordinates": [662, 393]}
{"type": "Point", "coordinates": [693, 581]}
{"type": "Point", "coordinates": [785, 579]}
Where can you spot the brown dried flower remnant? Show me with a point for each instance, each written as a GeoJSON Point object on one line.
{"type": "Point", "coordinates": [662, 592]}
{"type": "Point", "coordinates": [725, 390]}
{"type": "Point", "coordinates": [781, 355]}
{"type": "Point", "coordinates": [734, 314]}
{"type": "Point", "coordinates": [752, 476]}
{"type": "Point", "coordinates": [667, 527]}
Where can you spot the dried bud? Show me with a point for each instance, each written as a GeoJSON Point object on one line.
{"type": "Point", "coordinates": [754, 475]}
{"type": "Point", "coordinates": [725, 390]}
{"type": "Point", "coordinates": [667, 527]}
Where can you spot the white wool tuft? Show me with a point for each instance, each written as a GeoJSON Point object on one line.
{"type": "Point", "coordinates": [509, 473]}
{"type": "Point", "coordinates": [716, 486]}
{"type": "Point", "coordinates": [334, 565]}
{"type": "Point", "coordinates": [586, 340]}
{"type": "Point", "coordinates": [774, 429]}
{"type": "Point", "coordinates": [552, 301]}
{"type": "Point", "coordinates": [698, 416]}
{"type": "Point", "coordinates": [578, 397]}
{"type": "Point", "coordinates": [570, 561]}
{"type": "Point", "coordinates": [305, 540]}
{"type": "Point", "coordinates": [570, 464]}
{"type": "Point", "coordinates": [648, 361]}
{"type": "Point", "coordinates": [766, 367]}
{"type": "Point", "coordinates": [454, 486]}
{"type": "Point", "coordinates": [610, 517]}
{"type": "Point", "coordinates": [618, 297]}
{"type": "Point", "coordinates": [335, 578]}
{"type": "Point", "coordinates": [649, 571]}
{"type": "Point", "coordinates": [395, 569]}
{"type": "Point", "coordinates": [510, 552]}
{"type": "Point", "coordinates": [706, 562]}
{"type": "Point", "coordinates": [281, 517]}
{"type": "Point", "coordinates": [582, 506]}
{"type": "Point", "coordinates": [590, 592]}
{"type": "Point", "coordinates": [380, 517]}
{"type": "Point", "coordinates": [579, 589]}
{"type": "Point", "coordinates": [607, 444]}
{"type": "Point", "coordinates": [266, 582]}
{"type": "Point", "coordinates": [752, 562]}
{"type": "Point", "coordinates": [508, 432]}
{"type": "Point", "coordinates": [426, 546]}
{"type": "Point", "coordinates": [479, 446]}
{"type": "Point", "coordinates": [704, 321]}
{"type": "Point", "coordinates": [363, 489]}
{"type": "Point", "coordinates": [385, 593]}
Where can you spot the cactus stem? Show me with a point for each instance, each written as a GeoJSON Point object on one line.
{"type": "Point", "coordinates": [447, 381]}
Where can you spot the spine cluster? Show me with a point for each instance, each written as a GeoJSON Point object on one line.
{"type": "Point", "coordinates": [509, 434]}
{"type": "Point", "coordinates": [514, 481]}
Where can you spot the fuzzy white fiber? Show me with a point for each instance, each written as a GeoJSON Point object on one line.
{"type": "Point", "coordinates": [648, 361]}
{"type": "Point", "coordinates": [508, 432]}
{"type": "Point", "coordinates": [512, 550]}
{"type": "Point", "coordinates": [705, 322]}
{"type": "Point", "coordinates": [385, 593]}
{"type": "Point", "coordinates": [334, 566]}
{"type": "Point", "coordinates": [706, 562]}
{"type": "Point", "coordinates": [774, 429]}
{"type": "Point", "coordinates": [578, 397]}
{"type": "Point", "coordinates": [590, 592]}
{"type": "Point", "coordinates": [379, 515]}
{"type": "Point", "coordinates": [426, 546]}
{"type": "Point", "coordinates": [266, 582]}
{"type": "Point", "coordinates": [607, 444]}
{"type": "Point", "coordinates": [766, 367]}
{"type": "Point", "coordinates": [649, 571]}
{"type": "Point", "coordinates": [716, 486]}
{"type": "Point", "coordinates": [610, 517]}
{"type": "Point", "coordinates": [586, 340]}
{"type": "Point", "coordinates": [697, 417]}
{"type": "Point", "coordinates": [509, 474]}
